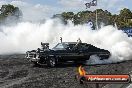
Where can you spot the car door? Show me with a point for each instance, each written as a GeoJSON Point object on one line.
{"type": "Point", "coordinates": [75, 53]}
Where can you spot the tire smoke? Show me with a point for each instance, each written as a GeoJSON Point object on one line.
{"type": "Point", "coordinates": [26, 36]}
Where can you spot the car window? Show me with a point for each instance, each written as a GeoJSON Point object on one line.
{"type": "Point", "coordinates": [83, 47]}
{"type": "Point", "coordinates": [60, 46]}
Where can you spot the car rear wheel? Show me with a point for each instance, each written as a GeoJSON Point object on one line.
{"type": "Point", "coordinates": [51, 62]}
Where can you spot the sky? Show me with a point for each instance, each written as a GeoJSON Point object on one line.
{"type": "Point", "coordinates": [50, 7]}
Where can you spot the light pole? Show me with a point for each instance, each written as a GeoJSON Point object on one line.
{"type": "Point", "coordinates": [96, 19]}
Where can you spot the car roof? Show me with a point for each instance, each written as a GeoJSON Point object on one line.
{"type": "Point", "coordinates": [71, 43]}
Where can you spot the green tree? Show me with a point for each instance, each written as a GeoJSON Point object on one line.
{"type": "Point", "coordinates": [124, 19]}
{"type": "Point", "coordinates": [10, 10]}
{"type": "Point", "coordinates": [68, 15]}
{"type": "Point", "coordinates": [125, 14]}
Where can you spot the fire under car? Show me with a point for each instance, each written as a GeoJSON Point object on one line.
{"type": "Point", "coordinates": [64, 52]}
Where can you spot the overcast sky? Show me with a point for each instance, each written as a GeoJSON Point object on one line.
{"type": "Point", "coordinates": [39, 8]}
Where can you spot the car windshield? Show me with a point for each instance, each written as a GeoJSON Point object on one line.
{"type": "Point", "coordinates": [59, 46]}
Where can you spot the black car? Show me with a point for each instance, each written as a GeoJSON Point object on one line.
{"type": "Point", "coordinates": [65, 51]}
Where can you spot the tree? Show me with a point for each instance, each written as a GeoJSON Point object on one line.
{"type": "Point", "coordinates": [125, 14]}
{"type": "Point", "coordinates": [10, 11]}
{"type": "Point", "coordinates": [124, 19]}
{"type": "Point", "coordinates": [68, 15]}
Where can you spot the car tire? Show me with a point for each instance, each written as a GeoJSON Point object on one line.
{"type": "Point", "coordinates": [51, 62]}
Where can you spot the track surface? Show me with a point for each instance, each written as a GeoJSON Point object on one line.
{"type": "Point", "coordinates": [17, 72]}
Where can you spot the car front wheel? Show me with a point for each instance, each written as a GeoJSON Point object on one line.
{"type": "Point", "coordinates": [51, 62]}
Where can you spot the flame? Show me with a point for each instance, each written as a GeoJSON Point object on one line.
{"type": "Point", "coordinates": [81, 71]}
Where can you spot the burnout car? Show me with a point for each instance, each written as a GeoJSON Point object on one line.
{"type": "Point", "coordinates": [65, 51]}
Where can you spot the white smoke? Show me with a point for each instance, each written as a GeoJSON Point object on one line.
{"type": "Point", "coordinates": [27, 36]}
